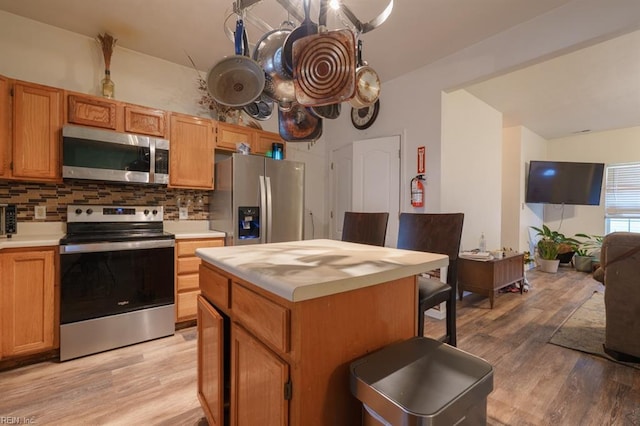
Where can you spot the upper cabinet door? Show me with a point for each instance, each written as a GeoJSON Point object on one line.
{"type": "Point", "coordinates": [37, 124]}
{"type": "Point", "coordinates": [191, 153]}
{"type": "Point", "coordinates": [264, 141]}
{"type": "Point", "coordinates": [145, 121]}
{"type": "Point", "coordinates": [92, 111]}
{"type": "Point", "coordinates": [5, 130]}
{"type": "Point", "coordinates": [229, 135]}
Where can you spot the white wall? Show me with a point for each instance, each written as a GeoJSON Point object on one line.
{"type": "Point", "coordinates": [472, 180]}
{"type": "Point", "coordinates": [615, 146]}
{"type": "Point", "coordinates": [411, 104]}
{"type": "Point", "coordinates": [520, 146]}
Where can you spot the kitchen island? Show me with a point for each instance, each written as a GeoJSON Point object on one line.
{"type": "Point", "coordinates": [279, 324]}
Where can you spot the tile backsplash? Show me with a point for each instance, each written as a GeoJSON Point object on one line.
{"type": "Point", "coordinates": [56, 197]}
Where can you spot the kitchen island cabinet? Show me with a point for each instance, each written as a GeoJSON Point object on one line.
{"type": "Point", "coordinates": [28, 294]}
{"type": "Point", "coordinates": [278, 325]}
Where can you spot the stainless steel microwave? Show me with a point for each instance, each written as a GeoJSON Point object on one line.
{"type": "Point", "coordinates": [97, 154]}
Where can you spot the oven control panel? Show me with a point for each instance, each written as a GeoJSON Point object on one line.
{"type": "Point", "coordinates": [100, 213]}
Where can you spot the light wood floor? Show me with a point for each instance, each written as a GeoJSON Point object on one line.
{"type": "Point", "coordinates": [535, 383]}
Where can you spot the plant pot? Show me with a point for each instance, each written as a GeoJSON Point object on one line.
{"type": "Point", "coordinates": [583, 263]}
{"type": "Point", "coordinates": [546, 265]}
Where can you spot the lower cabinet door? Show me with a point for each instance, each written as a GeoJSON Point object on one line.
{"type": "Point", "coordinates": [27, 296]}
{"type": "Point", "coordinates": [259, 383]}
{"type": "Point", "coordinates": [211, 362]}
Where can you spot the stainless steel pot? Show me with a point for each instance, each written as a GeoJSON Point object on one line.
{"type": "Point", "coordinates": [268, 53]}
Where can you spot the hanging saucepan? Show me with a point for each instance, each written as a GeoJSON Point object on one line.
{"type": "Point", "coordinates": [299, 124]}
{"type": "Point", "coordinates": [238, 80]}
{"type": "Point", "coordinates": [307, 27]}
{"type": "Point", "coordinates": [367, 83]}
{"type": "Point", "coordinates": [261, 109]}
{"type": "Point", "coordinates": [325, 66]}
{"type": "Point", "coordinates": [268, 54]}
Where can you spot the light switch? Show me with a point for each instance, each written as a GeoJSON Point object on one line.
{"type": "Point", "coordinates": [41, 212]}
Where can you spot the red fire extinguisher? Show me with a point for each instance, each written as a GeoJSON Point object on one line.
{"type": "Point", "coordinates": [417, 191]}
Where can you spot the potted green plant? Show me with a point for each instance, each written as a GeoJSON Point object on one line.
{"type": "Point", "coordinates": [586, 251]}
{"type": "Point", "coordinates": [548, 246]}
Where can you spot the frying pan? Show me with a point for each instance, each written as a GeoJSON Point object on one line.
{"type": "Point", "coordinates": [238, 80]}
{"type": "Point", "coordinates": [331, 111]}
{"type": "Point", "coordinates": [260, 109]}
{"type": "Point", "coordinates": [298, 124]}
{"type": "Point", "coordinates": [325, 65]}
{"type": "Point", "coordinates": [307, 27]}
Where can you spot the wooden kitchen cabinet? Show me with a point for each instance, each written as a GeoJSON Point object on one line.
{"type": "Point", "coordinates": [145, 121]}
{"type": "Point", "coordinates": [109, 114]}
{"type": "Point", "coordinates": [228, 135]}
{"type": "Point", "coordinates": [186, 286]}
{"type": "Point", "coordinates": [37, 118]}
{"type": "Point", "coordinates": [92, 111]}
{"type": "Point", "coordinates": [264, 140]}
{"type": "Point", "coordinates": [192, 150]}
{"type": "Point", "coordinates": [211, 376]}
{"type": "Point", "coordinates": [259, 382]}
{"type": "Point", "coordinates": [28, 295]}
{"type": "Point", "coordinates": [5, 129]}
{"type": "Point", "coordinates": [246, 370]}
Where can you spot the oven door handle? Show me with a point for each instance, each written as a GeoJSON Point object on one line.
{"type": "Point", "coordinates": [115, 246]}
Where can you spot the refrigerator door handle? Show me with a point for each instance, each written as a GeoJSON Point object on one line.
{"type": "Point", "coordinates": [269, 209]}
{"type": "Point", "coordinates": [263, 208]}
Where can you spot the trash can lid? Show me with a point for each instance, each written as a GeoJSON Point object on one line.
{"type": "Point", "coordinates": [422, 376]}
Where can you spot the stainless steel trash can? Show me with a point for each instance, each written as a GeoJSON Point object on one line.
{"type": "Point", "coordinates": [419, 382]}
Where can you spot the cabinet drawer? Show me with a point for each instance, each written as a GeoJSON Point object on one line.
{"type": "Point", "coordinates": [187, 282]}
{"type": "Point", "coordinates": [215, 287]}
{"type": "Point", "coordinates": [265, 318]}
{"type": "Point", "coordinates": [188, 265]}
{"type": "Point", "coordinates": [188, 248]}
{"type": "Point", "coordinates": [187, 305]}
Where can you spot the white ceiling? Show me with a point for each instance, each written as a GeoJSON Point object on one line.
{"type": "Point", "coordinates": [552, 99]}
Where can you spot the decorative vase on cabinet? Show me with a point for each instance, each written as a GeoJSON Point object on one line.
{"type": "Point", "coordinates": [108, 86]}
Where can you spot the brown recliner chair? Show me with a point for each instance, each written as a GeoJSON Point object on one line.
{"type": "Point", "coordinates": [620, 262]}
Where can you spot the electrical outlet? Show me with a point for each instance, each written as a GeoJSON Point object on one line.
{"type": "Point", "coordinates": [41, 212]}
{"type": "Point", "coordinates": [183, 213]}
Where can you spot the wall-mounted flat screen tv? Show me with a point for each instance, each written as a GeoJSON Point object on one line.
{"type": "Point", "coordinates": [564, 182]}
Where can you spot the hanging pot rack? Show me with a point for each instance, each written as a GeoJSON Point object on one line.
{"type": "Point", "coordinates": [313, 58]}
{"type": "Point", "coordinates": [244, 8]}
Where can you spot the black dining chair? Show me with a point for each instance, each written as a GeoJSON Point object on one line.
{"type": "Point", "coordinates": [365, 228]}
{"type": "Point", "coordinates": [435, 233]}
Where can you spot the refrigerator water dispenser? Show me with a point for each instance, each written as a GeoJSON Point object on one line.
{"type": "Point", "coordinates": [248, 223]}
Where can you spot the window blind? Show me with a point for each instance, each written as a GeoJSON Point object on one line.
{"type": "Point", "coordinates": [622, 190]}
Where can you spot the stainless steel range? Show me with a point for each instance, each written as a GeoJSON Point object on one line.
{"type": "Point", "coordinates": [117, 278]}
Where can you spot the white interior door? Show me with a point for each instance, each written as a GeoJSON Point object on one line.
{"type": "Point", "coordinates": [341, 171]}
{"type": "Point", "coordinates": [376, 180]}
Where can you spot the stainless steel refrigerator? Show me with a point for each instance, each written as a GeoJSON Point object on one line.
{"type": "Point", "coordinates": [258, 200]}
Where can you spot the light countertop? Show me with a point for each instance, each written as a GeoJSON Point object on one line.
{"type": "Point", "coordinates": [309, 269]}
{"type": "Point", "coordinates": [185, 229]}
{"type": "Point", "coordinates": [47, 234]}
